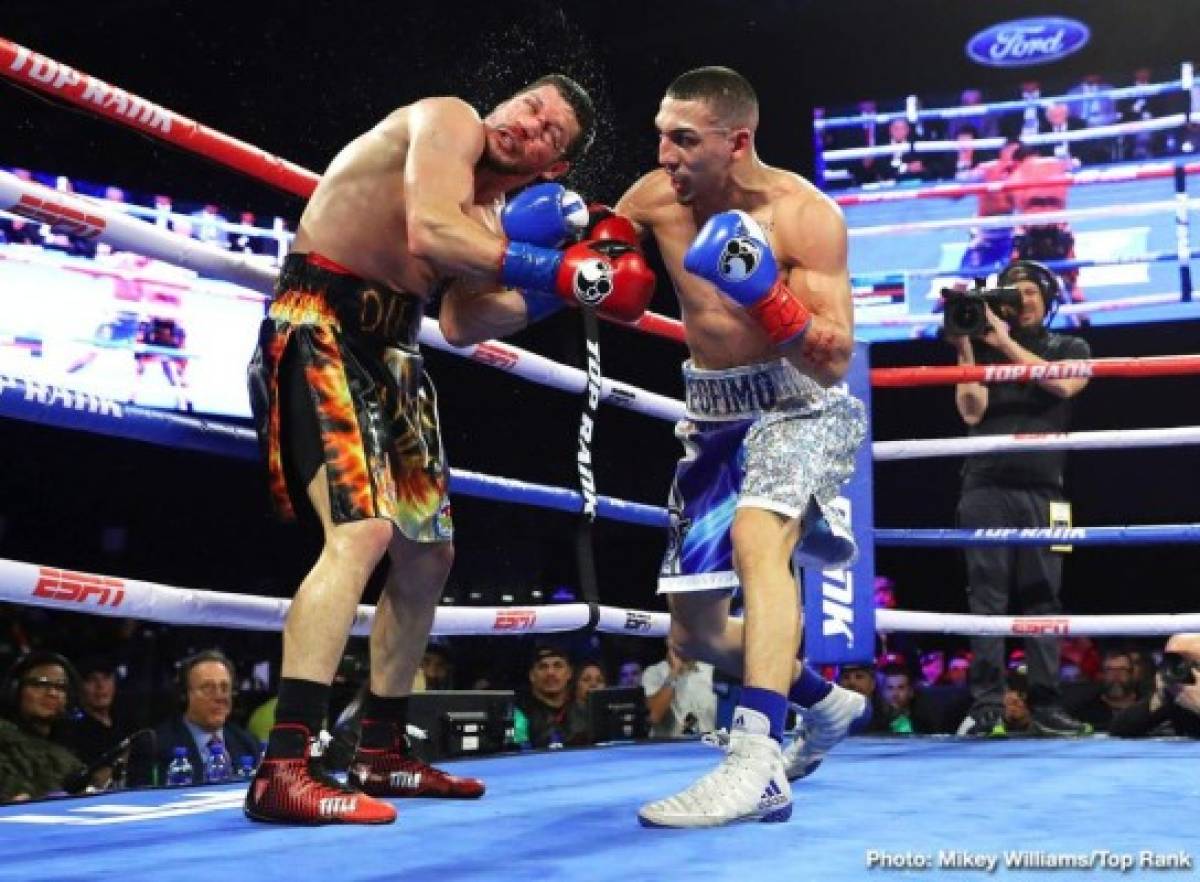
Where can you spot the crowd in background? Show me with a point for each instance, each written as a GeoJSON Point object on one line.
{"type": "Point", "coordinates": [1086, 106]}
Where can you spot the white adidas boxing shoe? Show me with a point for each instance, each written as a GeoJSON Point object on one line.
{"type": "Point", "coordinates": [821, 727]}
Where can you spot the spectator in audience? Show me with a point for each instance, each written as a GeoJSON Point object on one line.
{"type": "Point", "coordinates": [1173, 708]}
{"type": "Point", "coordinates": [1116, 692]}
{"type": "Point", "coordinates": [589, 676]}
{"type": "Point", "coordinates": [981, 124]}
{"type": "Point", "coordinates": [546, 710]}
{"type": "Point", "coordinates": [1017, 718]}
{"type": "Point", "coordinates": [208, 225]}
{"type": "Point", "coordinates": [162, 212]}
{"type": "Point", "coordinates": [898, 695]}
{"type": "Point", "coordinates": [206, 689]}
{"type": "Point", "coordinates": [1144, 671]}
{"type": "Point", "coordinates": [866, 170]}
{"type": "Point", "coordinates": [903, 163]}
{"type": "Point", "coordinates": [885, 641]}
{"type": "Point", "coordinates": [1030, 121]}
{"type": "Point", "coordinates": [958, 669]}
{"type": "Point", "coordinates": [679, 696]}
{"type": "Point", "coordinates": [1099, 109]}
{"type": "Point", "coordinates": [99, 726]}
{"type": "Point", "coordinates": [1140, 145]}
{"type": "Point", "coordinates": [437, 665]}
{"type": "Point", "coordinates": [933, 667]}
{"type": "Point", "coordinates": [1057, 120]}
{"type": "Point", "coordinates": [629, 673]}
{"type": "Point", "coordinates": [36, 694]}
{"type": "Point", "coordinates": [860, 678]}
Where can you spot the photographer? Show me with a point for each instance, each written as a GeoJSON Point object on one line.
{"type": "Point", "coordinates": [1174, 707]}
{"type": "Point", "coordinates": [1019, 490]}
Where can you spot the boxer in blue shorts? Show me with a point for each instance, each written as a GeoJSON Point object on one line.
{"type": "Point", "coordinates": [757, 256]}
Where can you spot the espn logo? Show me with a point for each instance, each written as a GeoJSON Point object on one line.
{"type": "Point", "coordinates": [514, 619]}
{"type": "Point", "coordinates": [496, 355]}
{"type": "Point", "coordinates": [78, 587]}
{"type": "Point", "coordinates": [637, 621]}
{"type": "Point", "coordinates": [62, 218]}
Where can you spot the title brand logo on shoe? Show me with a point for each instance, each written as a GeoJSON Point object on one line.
{"type": "Point", "coordinates": [1028, 41]}
{"type": "Point", "coordinates": [331, 806]}
{"type": "Point", "coordinates": [407, 780]}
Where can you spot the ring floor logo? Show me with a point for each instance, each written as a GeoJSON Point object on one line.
{"type": "Point", "coordinates": [1028, 41]}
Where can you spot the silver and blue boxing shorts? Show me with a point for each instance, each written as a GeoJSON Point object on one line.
{"type": "Point", "coordinates": [761, 436]}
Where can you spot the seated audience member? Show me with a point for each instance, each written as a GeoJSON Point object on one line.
{"type": "Point", "coordinates": [545, 712]}
{"type": "Point", "coordinates": [206, 687]}
{"type": "Point", "coordinates": [99, 726]}
{"type": "Point", "coordinates": [1016, 718]}
{"type": "Point", "coordinates": [629, 673]}
{"type": "Point", "coordinates": [860, 678]}
{"type": "Point", "coordinates": [437, 665]}
{"type": "Point", "coordinates": [36, 694]}
{"type": "Point", "coordinates": [679, 696]}
{"type": "Point", "coordinates": [1174, 706]}
{"type": "Point", "coordinates": [958, 671]}
{"type": "Point", "coordinates": [1116, 691]}
{"type": "Point", "coordinates": [898, 695]}
{"type": "Point", "coordinates": [588, 677]}
{"type": "Point", "coordinates": [933, 667]}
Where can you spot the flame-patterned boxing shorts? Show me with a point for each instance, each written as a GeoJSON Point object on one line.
{"type": "Point", "coordinates": [337, 380]}
{"type": "Point", "coordinates": [762, 436]}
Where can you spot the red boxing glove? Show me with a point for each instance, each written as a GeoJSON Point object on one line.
{"type": "Point", "coordinates": [604, 223]}
{"type": "Point", "coordinates": [609, 275]}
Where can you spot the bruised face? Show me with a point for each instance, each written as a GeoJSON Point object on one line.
{"type": "Point", "coordinates": [529, 133]}
{"type": "Point", "coordinates": [695, 147]}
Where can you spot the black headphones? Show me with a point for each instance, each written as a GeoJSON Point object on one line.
{"type": "Point", "coordinates": [1041, 275]}
{"type": "Point", "coordinates": [185, 669]}
{"type": "Point", "coordinates": [10, 688]}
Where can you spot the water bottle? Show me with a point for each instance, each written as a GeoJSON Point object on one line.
{"type": "Point", "coordinates": [216, 767]}
{"type": "Point", "coordinates": [245, 767]}
{"type": "Point", "coordinates": [179, 772]}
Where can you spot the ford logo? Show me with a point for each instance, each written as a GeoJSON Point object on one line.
{"type": "Point", "coordinates": [1028, 41]}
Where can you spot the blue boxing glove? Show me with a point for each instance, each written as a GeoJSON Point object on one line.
{"type": "Point", "coordinates": [545, 214]}
{"type": "Point", "coordinates": [733, 253]}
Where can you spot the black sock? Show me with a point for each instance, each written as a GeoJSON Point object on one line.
{"type": "Point", "coordinates": [304, 702]}
{"type": "Point", "coordinates": [393, 711]}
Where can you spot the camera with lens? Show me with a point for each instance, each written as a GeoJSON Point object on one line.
{"type": "Point", "coordinates": [1177, 669]}
{"type": "Point", "coordinates": [966, 311]}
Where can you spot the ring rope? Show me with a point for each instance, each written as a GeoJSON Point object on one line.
{"type": "Point", "coordinates": [1118, 175]}
{"type": "Point", "coordinates": [1108, 439]}
{"type": "Point", "coordinates": [50, 77]}
{"type": "Point", "coordinates": [1094, 133]}
{"type": "Point", "coordinates": [69, 590]}
{"type": "Point", "coordinates": [1156, 534]}
{"type": "Point", "coordinates": [1058, 265]}
{"type": "Point", "coordinates": [78, 592]}
{"type": "Point", "coordinates": [947, 375]}
{"type": "Point", "coordinates": [1146, 90]}
{"type": "Point", "coordinates": [1033, 626]}
{"type": "Point", "coordinates": [1037, 218]}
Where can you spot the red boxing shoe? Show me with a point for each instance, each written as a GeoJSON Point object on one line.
{"type": "Point", "coordinates": [394, 772]}
{"type": "Point", "coordinates": [291, 786]}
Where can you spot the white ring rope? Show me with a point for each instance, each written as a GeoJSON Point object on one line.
{"type": "Point", "coordinates": [1034, 626]}
{"type": "Point", "coordinates": [72, 591]}
{"type": "Point", "coordinates": [1039, 218]}
{"type": "Point", "coordinates": [1115, 439]}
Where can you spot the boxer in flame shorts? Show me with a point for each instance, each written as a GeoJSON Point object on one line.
{"type": "Point", "coordinates": [766, 436]}
{"type": "Point", "coordinates": [338, 380]}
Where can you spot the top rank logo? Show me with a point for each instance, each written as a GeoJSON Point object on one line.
{"type": "Point", "coordinates": [72, 587]}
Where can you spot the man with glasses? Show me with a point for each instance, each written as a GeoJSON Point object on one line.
{"type": "Point", "coordinates": [206, 689]}
{"type": "Point", "coordinates": [757, 256]}
{"type": "Point", "coordinates": [36, 696]}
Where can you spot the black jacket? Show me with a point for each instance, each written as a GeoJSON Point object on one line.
{"type": "Point", "coordinates": [150, 757]}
